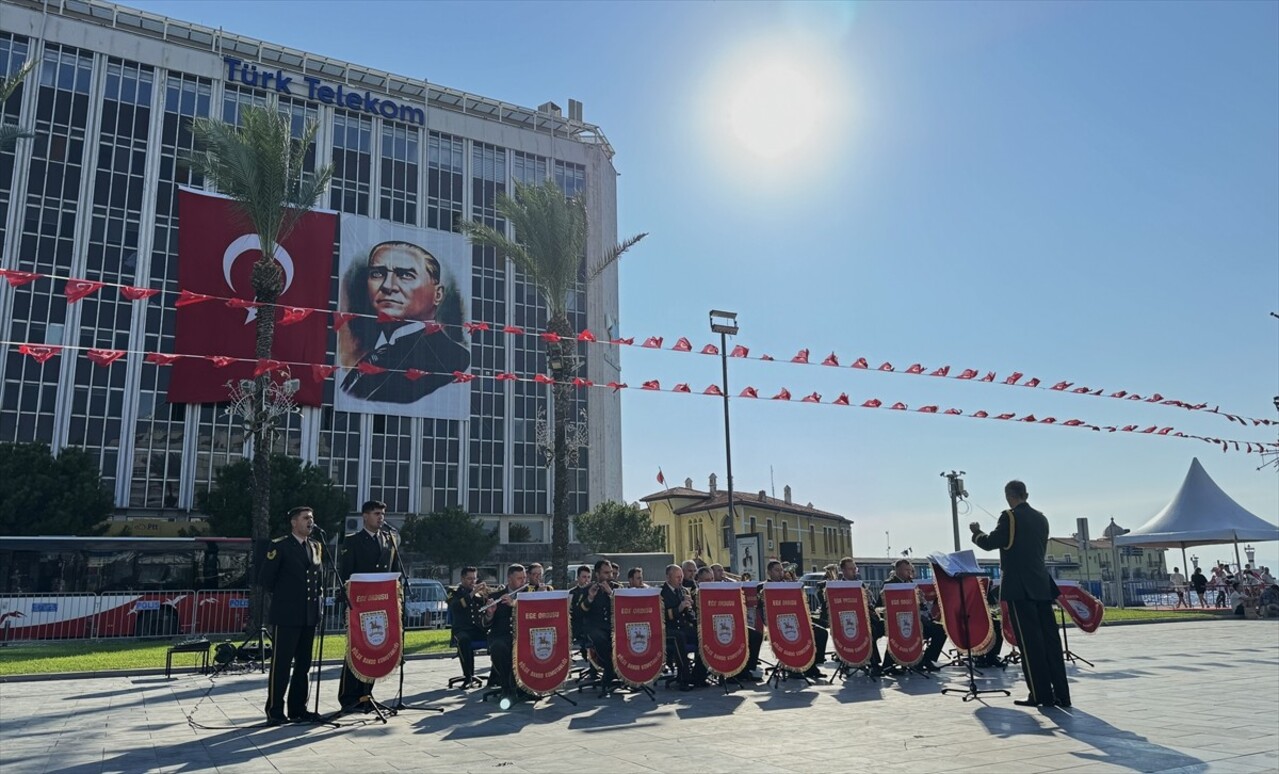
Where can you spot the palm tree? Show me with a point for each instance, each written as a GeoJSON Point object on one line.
{"type": "Point", "coordinates": [260, 165]}
{"type": "Point", "coordinates": [9, 134]}
{"type": "Point", "coordinates": [550, 242]}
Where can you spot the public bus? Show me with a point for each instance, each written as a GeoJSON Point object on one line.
{"type": "Point", "coordinates": [56, 587]}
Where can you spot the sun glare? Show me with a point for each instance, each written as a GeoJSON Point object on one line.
{"type": "Point", "coordinates": [770, 106]}
{"type": "Point", "coordinates": [775, 108]}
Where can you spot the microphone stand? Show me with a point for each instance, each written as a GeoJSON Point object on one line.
{"type": "Point", "coordinates": [400, 705]}
{"type": "Point", "coordinates": [333, 571]}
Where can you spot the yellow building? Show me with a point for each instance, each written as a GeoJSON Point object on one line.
{"type": "Point", "coordinates": [1096, 563]}
{"type": "Point", "coordinates": [696, 525]}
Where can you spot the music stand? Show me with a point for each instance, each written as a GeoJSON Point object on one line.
{"type": "Point", "coordinates": [972, 691]}
{"type": "Point", "coordinates": [1067, 653]}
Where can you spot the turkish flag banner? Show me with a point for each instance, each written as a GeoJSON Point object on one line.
{"type": "Point", "coordinates": [721, 627]}
{"type": "Point", "coordinates": [1083, 608]}
{"type": "Point", "coordinates": [790, 630]}
{"type": "Point", "coordinates": [639, 635]}
{"type": "Point", "coordinates": [963, 611]}
{"type": "Point", "coordinates": [542, 642]}
{"type": "Point", "coordinates": [375, 634]}
{"type": "Point", "coordinates": [901, 623]}
{"type": "Point", "coordinates": [216, 253]}
{"type": "Point", "coordinates": [1006, 625]}
{"type": "Point", "coordinates": [850, 631]}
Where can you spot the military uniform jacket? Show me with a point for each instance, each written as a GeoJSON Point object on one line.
{"type": "Point", "coordinates": [291, 572]}
{"type": "Point", "coordinates": [362, 552]}
{"type": "Point", "coordinates": [502, 627]}
{"type": "Point", "coordinates": [1022, 539]}
{"type": "Point", "coordinates": [464, 610]}
{"type": "Point", "coordinates": [672, 598]}
{"type": "Point", "coordinates": [597, 614]}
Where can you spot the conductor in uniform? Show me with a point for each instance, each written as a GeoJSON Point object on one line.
{"type": "Point", "coordinates": [291, 574]}
{"type": "Point", "coordinates": [369, 549]}
{"type": "Point", "coordinates": [1022, 539]}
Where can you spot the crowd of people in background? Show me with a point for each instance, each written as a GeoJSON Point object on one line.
{"type": "Point", "coordinates": [1252, 588]}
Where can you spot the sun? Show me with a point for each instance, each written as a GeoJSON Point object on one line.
{"type": "Point", "coordinates": [776, 108]}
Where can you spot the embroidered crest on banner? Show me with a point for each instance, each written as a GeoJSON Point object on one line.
{"type": "Point", "coordinates": [374, 624]}
{"type": "Point", "coordinates": [725, 628]}
{"type": "Point", "coordinates": [543, 641]}
{"type": "Point", "coordinates": [788, 627]}
{"type": "Point", "coordinates": [906, 624]}
{"type": "Point", "coordinates": [1081, 609]}
{"type": "Point", "coordinates": [848, 622]}
{"type": "Point", "coordinates": [637, 635]}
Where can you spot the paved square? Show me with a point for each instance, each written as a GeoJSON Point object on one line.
{"type": "Point", "coordinates": [1194, 696]}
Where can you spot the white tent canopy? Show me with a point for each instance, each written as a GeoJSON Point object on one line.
{"type": "Point", "coordinates": [1200, 514]}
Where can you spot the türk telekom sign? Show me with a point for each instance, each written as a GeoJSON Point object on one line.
{"type": "Point", "coordinates": [278, 82]}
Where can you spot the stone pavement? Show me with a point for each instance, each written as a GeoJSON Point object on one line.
{"type": "Point", "coordinates": [1188, 696]}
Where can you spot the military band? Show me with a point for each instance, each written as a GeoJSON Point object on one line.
{"type": "Point", "coordinates": [372, 548]}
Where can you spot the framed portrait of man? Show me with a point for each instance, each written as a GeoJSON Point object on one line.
{"type": "Point", "coordinates": [403, 348]}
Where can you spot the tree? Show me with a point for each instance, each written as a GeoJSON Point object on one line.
{"type": "Point", "coordinates": [47, 495]}
{"type": "Point", "coordinates": [261, 167]}
{"type": "Point", "coordinates": [9, 134]}
{"type": "Point", "coordinates": [451, 537]}
{"type": "Point", "coordinates": [549, 246]}
{"type": "Point", "coordinates": [229, 503]}
{"type": "Point", "coordinates": [614, 526]}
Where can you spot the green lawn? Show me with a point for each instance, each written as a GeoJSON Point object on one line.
{"type": "Point", "coordinates": [105, 656]}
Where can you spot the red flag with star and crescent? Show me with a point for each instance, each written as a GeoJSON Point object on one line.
{"type": "Point", "coordinates": [216, 253]}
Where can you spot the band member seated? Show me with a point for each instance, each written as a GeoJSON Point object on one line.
{"type": "Point", "coordinates": [465, 610]}
{"type": "Point", "coordinates": [370, 549]}
{"type": "Point", "coordinates": [777, 574]}
{"type": "Point", "coordinates": [681, 629]}
{"type": "Point", "coordinates": [501, 625]}
{"type": "Point", "coordinates": [933, 632]}
{"type": "Point", "coordinates": [690, 574]}
{"type": "Point", "coordinates": [848, 571]}
{"type": "Point", "coordinates": [291, 574]}
{"type": "Point", "coordinates": [717, 571]}
{"type": "Point", "coordinates": [535, 580]}
{"type": "Point", "coordinates": [635, 578]}
{"type": "Point", "coordinates": [596, 605]}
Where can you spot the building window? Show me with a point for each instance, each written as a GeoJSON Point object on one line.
{"type": "Point", "coordinates": [352, 163]}
{"type": "Point", "coordinates": [444, 181]}
{"type": "Point", "coordinates": [768, 525]}
{"type": "Point", "coordinates": [398, 187]}
{"type": "Point", "coordinates": [752, 529]}
{"type": "Point", "coordinates": [391, 455]}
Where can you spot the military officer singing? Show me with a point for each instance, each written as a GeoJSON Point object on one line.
{"type": "Point", "coordinates": [370, 549]}
{"type": "Point", "coordinates": [291, 573]}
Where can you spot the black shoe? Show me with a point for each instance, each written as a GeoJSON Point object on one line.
{"type": "Point", "coordinates": [929, 666]}
{"type": "Point", "coordinates": [1032, 703]}
{"type": "Point", "coordinates": [1064, 704]}
{"type": "Point", "coordinates": [305, 717]}
{"type": "Point", "coordinates": [815, 674]}
{"type": "Point", "coordinates": [276, 720]}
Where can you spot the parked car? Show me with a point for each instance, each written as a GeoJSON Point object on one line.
{"type": "Point", "coordinates": [426, 604]}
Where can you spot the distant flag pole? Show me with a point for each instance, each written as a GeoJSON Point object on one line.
{"type": "Point", "coordinates": [660, 478]}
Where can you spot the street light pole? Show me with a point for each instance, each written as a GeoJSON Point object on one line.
{"type": "Point", "coordinates": [955, 485]}
{"type": "Point", "coordinates": [725, 324]}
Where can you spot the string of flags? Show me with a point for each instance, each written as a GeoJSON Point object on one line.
{"type": "Point", "coordinates": [42, 353]}
{"type": "Point", "coordinates": [77, 289]}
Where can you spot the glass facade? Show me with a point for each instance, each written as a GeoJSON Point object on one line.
{"type": "Point", "coordinates": [94, 195]}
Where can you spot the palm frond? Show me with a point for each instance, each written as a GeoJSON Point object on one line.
{"type": "Point", "coordinates": [614, 255]}
{"type": "Point", "coordinates": [9, 136]}
{"type": "Point", "coordinates": [9, 83]}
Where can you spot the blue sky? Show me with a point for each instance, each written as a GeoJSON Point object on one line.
{"type": "Point", "coordinates": [1084, 192]}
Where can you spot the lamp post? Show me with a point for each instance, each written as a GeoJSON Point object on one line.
{"type": "Point", "coordinates": [725, 324]}
{"type": "Point", "coordinates": [955, 485]}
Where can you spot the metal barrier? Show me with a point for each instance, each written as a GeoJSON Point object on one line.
{"type": "Point", "coordinates": [225, 611]}
{"type": "Point", "coordinates": [47, 616]}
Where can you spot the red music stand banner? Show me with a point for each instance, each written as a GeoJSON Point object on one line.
{"type": "Point", "coordinates": [374, 631]}
{"type": "Point", "coordinates": [639, 635]}
{"type": "Point", "coordinates": [790, 630]}
{"type": "Point", "coordinates": [963, 611]}
{"type": "Point", "coordinates": [849, 610]}
{"type": "Point", "coordinates": [542, 643]}
{"type": "Point", "coordinates": [721, 627]}
{"type": "Point", "coordinates": [928, 592]}
{"type": "Point", "coordinates": [1083, 608]}
{"type": "Point", "coordinates": [902, 626]}
{"type": "Point", "coordinates": [1006, 625]}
